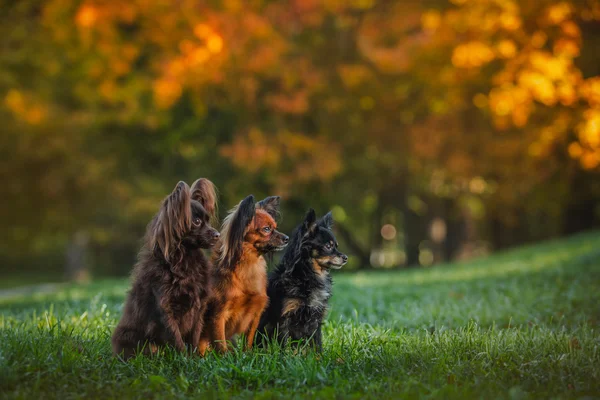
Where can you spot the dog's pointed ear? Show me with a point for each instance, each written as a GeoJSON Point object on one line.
{"type": "Point", "coordinates": [270, 205]}
{"type": "Point", "coordinates": [310, 222]}
{"type": "Point", "coordinates": [234, 229]}
{"type": "Point", "coordinates": [326, 221]}
{"type": "Point", "coordinates": [204, 192]}
{"type": "Point", "coordinates": [173, 220]}
{"type": "Point", "coordinates": [246, 211]}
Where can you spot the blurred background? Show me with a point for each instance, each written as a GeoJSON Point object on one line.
{"type": "Point", "coordinates": [434, 130]}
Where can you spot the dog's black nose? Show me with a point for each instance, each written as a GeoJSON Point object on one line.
{"type": "Point", "coordinates": [344, 257]}
{"type": "Point", "coordinates": [286, 239]}
{"type": "Point", "coordinates": [216, 234]}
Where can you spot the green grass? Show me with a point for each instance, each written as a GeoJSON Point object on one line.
{"type": "Point", "coordinates": [522, 324]}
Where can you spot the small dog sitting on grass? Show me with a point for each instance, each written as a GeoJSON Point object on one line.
{"type": "Point", "coordinates": [300, 287]}
{"type": "Point", "coordinates": [167, 301]}
{"type": "Point", "coordinates": [240, 273]}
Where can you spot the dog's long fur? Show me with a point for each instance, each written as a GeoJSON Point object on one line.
{"type": "Point", "coordinates": [170, 287]}
{"type": "Point", "coordinates": [300, 287]}
{"type": "Point", "coordinates": [239, 274]}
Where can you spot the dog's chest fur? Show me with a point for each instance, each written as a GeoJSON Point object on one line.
{"type": "Point", "coordinates": [319, 295]}
{"type": "Point", "coordinates": [313, 289]}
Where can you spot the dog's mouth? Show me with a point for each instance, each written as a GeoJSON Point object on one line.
{"type": "Point", "coordinates": [280, 247]}
{"type": "Point", "coordinates": [336, 265]}
{"type": "Point", "coordinates": [332, 263]}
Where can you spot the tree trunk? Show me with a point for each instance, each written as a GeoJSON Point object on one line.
{"type": "Point", "coordinates": [76, 266]}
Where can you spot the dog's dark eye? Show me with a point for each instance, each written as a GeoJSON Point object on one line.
{"type": "Point", "coordinates": [197, 220]}
{"type": "Point", "coordinates": [328, 246]}
{"type": "Point", "coordinates": [267, 229]}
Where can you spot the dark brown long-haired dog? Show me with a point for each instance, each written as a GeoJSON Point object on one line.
{"type": "Point", "coordinates": [240, 272]}
{"type": "Point", "coordinates": [170, 287]}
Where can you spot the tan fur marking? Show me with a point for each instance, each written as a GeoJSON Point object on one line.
{"type": "Point", "coordinates": [290, 305]}
{"type": "Point", "coordinates": [318, 269]}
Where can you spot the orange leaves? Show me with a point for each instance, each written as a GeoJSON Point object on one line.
{"type": "Point", "coordinates": [472, 54]}
{"type": "Point", "coordinates": [166, 92]}
{"type": "Point", "coordinates": [540, 76]}
{"type": "Point", "coordinates": [506, 100]}
{"type": "Point", "coordinates": [86, 16]}
{"type": "Point", "coordinates": [289, 157]}
{"type": "Point", "coordinates": [590, 90]}
{"type": "Point", "coordinates": [531, 68]}
{"type": "Point", "coordinates": [354, 74]}
{"type": "Point", "coordinates": [510, 21]}
{"type": "Point", "coordinates": [295, 103]}
{"type": "Point", "coordinates": [390, 46]}
{"type": "Point", "coordinates": [506, 48]}
{"type": "Point", "coordinates": [213, 41]}
{"type": "Point", "coordinates": [252, 152]}
{"type": "Point", "coordinates": [588, 148]}
{"type": "Point", "coordinates": [558, 13]}
{"type": "Point", "coordinates": [431, 20]}
{"type": "Point", "coordinates": [196, 53]}
{"type": "Point", "coordinates": [24, 107]}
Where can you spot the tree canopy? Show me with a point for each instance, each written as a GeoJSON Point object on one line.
{"type": "Point", "coordinates": [475, 119]}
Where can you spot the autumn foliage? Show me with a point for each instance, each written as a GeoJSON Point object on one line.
{"type": "Point", "coordinates": [481, 114]}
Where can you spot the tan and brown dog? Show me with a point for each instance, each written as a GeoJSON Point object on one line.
{"type": "Point", "coordinates": [239, 278]}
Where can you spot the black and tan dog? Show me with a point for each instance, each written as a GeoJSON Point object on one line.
{"type": "Point", "coordinates": [300, 287]}
{"type": "Point", "coordinates": [170, 288]}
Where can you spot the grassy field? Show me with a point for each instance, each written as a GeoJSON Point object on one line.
{"type": "Point", "coordinates": [522, 324]}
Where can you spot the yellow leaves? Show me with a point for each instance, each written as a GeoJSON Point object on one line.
{"type": "Point", "coordinates": [510, 21]}
{"type": "Point", "coordinates": [233, 6]}
{"type": "Point", "coordinates": [108, 90]}
{"type": "Point", "coordinates": [575, 150]}
{"type": "Point", "coordinates": [14, 101]}
{"type": "Point", "coordinates": [24, 107]}
{"type": "Point", "coordinates": [589, 130]}
{"type": "Point", "coordinates": [202, 31]}
{"type": "Point", "coordinates": [214, 43]}
{"type": "Point", "coordinates": [566, 47]}
{"type": "Point", "coordinates": [566, 94]}
{"type": "Point", "coordinates": [552, 67]}
{"type": "Point", "coordinates": [538, 39]}
{"type": "Point", "coordinates": [539, 85]}
{"type": "Point", "coordinates": [86, 16]}
{"type": "Point", "coordinates": [353, 75]}
{"type": "Point", "coordinates": [590, 90]}
{"type": "Point", "coordinates": [198, 56]}
{"type": "Point", "coordinates": [558, 13]}
{"type": "Point", "coordinates": [363, 4]}
{"type": "Point", "coordinates": [480, 100]}
{"type": "Point", "coordinates": [180, 71]}
{"type": "Point", "coordinates": [431, 20]}
{"type": "Point", "coordinates": [166, 92]}
{"type": "Point", "coordinates": [506, 48]}
{"type": "Point", "coordinates": [472, 55]}
{"type": "Point", "coordinates": [510, 101]}
{"type": "Point", "coordinates": [570, 28]}
{"type": "Point", "coordinates": [590, 160]}
{"type": "Point", "coordinates": [587, 150]}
